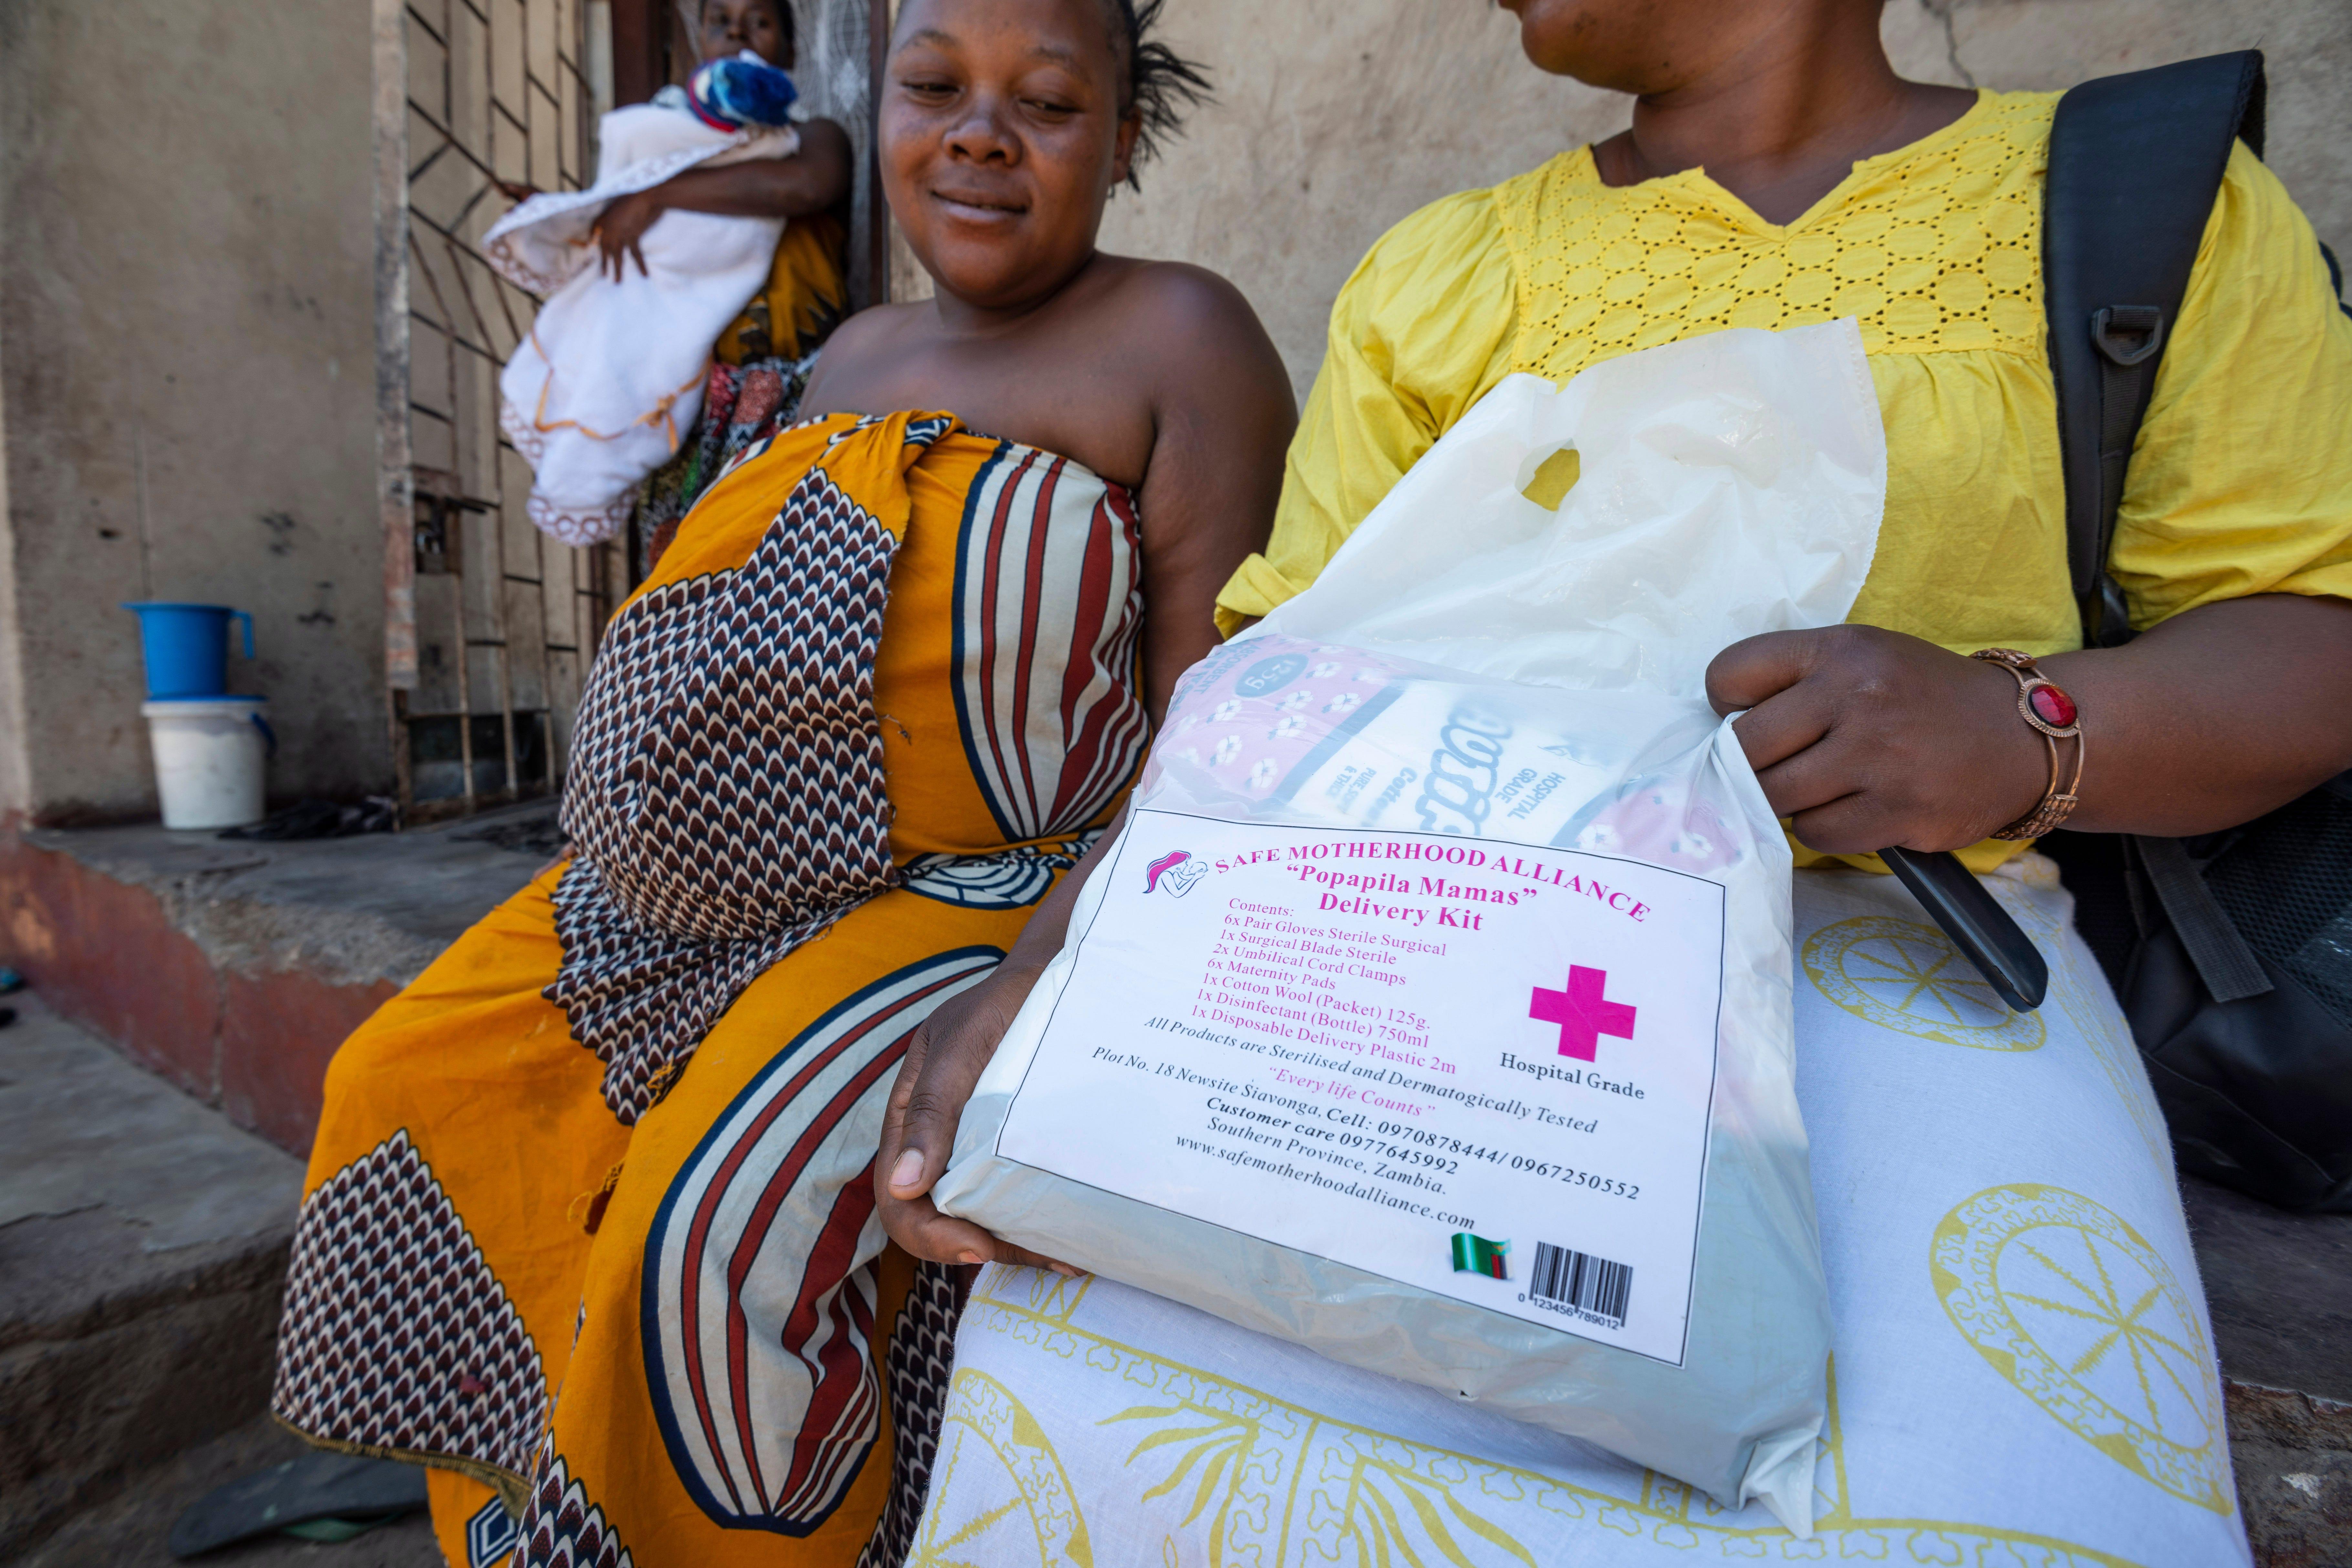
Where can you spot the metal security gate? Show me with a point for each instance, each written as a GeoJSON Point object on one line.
{"type": "Point", "coordinates": [490, 624]}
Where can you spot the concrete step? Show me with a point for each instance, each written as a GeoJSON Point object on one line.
{"type": "Point", "coordinates": [2280, 1290]}
{"type": "Point", "coordinates": [130, 1529]}
{"type": "Point", "coordinates": [142, 1254]}
{"type": "Point", "coordinates": [234, 967]}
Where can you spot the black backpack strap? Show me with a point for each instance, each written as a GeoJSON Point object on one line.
{"type": "Point", "coordinates": [2223, 959]}
{"type": "Point", "coordinates": [2134, 163]}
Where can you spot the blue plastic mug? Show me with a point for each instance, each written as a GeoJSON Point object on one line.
{"type": "Point", "coordinates": [186, 647]}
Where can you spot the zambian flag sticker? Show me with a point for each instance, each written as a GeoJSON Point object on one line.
{"type": "Point", "coordinates": [1476, 1254]}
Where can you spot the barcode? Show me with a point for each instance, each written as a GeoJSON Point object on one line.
{"type": "Point", "coordinates": [1590, 1284]}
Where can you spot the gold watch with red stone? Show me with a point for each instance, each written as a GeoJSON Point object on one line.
{"type": "Point", "coordinates": [2042, 703]}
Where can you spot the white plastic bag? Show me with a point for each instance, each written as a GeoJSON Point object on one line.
{"type": "Point", "coordinates": [1436, 1018]}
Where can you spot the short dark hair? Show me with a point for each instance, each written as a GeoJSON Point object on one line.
{"type": "Point", "coordinates": [1160, 84]}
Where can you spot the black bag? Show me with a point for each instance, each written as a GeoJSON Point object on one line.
{"type": "Point", "coordinates": [2232, 953]}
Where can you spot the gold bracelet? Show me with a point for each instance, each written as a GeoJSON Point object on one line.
{"type": "Point", "coordinates": [2042, 703]}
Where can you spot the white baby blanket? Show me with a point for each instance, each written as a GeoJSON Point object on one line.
{"type": "Point", "coordinates": [611, 375]}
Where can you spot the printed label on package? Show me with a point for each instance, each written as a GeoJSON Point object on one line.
{"type": "Point", "coordinates": [1479, 1068]}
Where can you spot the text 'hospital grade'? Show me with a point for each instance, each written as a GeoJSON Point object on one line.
{"type": "Point", "coordinates": [1361, 1044]}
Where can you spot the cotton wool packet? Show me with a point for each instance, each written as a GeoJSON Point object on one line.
{"type": "Point", "coordinates": [1433, 1010]}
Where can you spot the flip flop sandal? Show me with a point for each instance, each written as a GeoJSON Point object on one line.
{"type": "Point", "coordinates": [320, 1496]}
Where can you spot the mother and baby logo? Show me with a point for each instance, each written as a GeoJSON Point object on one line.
{"type": "Point", "coordinates": [1176, 871]}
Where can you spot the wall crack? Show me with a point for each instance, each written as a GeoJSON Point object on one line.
{"type": "Point", "coordinates": [1943, 11]}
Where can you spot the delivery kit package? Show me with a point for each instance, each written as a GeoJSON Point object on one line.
{"type": "Point", "coordinates": [1433, 1010]}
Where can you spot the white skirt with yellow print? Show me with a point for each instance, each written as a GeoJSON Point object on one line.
{"type": "Point", "coordinates": [2023, 1371]}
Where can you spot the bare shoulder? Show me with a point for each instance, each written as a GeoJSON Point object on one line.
{"type": "Point", "coordinates": [1201, 328]}
{"type": "Point", "coordinates": [1221, 414]}
{"type": "Point", "coordinates": [868, 329]}
{"type": "Point", "coordinates": [1162, 297]}
{"type": "Point", "coordinates": [870, 340]}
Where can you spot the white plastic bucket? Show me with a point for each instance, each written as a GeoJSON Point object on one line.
{"type": "Point", "coordinates": [210, 752]}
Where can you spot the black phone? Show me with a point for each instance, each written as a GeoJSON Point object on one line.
{"type": "Point", "coordinates": [1978, 925]}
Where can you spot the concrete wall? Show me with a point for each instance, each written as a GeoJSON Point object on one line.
{"type": "Point", "coordinates": [1336, 118]}
{"type": "Point", "coordinates": [186, 381]}
{"type": "Point", "coordinates": [185, 296]}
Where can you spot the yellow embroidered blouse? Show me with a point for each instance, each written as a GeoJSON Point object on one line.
{"type": "Point", "coordinates": [2241, 482]}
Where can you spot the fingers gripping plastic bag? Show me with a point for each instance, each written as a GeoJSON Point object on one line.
{"type": "Point", "coordinates": [1434, 1008]}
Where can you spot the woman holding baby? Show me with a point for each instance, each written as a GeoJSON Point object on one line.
{"type": "Point", "coordinates": [658, 353]}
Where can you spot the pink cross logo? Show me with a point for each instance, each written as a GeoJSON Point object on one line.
{"type": "Point", "coordinates": [1582, 1013]}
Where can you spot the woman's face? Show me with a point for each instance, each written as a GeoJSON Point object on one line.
{"type": "Point", "coordinates": [730, 27]}
{"type": "Point", "coordinates": [1001, 140]}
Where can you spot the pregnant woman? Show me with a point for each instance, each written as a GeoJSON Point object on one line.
{"type": "Point", "coordinates": [590, 1221]}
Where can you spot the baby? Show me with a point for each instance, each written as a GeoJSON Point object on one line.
{"type": "Point", "coordinates": [611, 372]}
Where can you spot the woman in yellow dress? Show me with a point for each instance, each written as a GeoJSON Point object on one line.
{"type": "Point", "coordinates": [1777, 174]}
{"type": "Point", "coordinates": [1821, 185]}
{"type": "Point", "coordinates": [589, 1224]}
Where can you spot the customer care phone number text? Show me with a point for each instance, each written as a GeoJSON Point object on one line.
{"type": "Point", "coordinates": [1436, 1152]}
